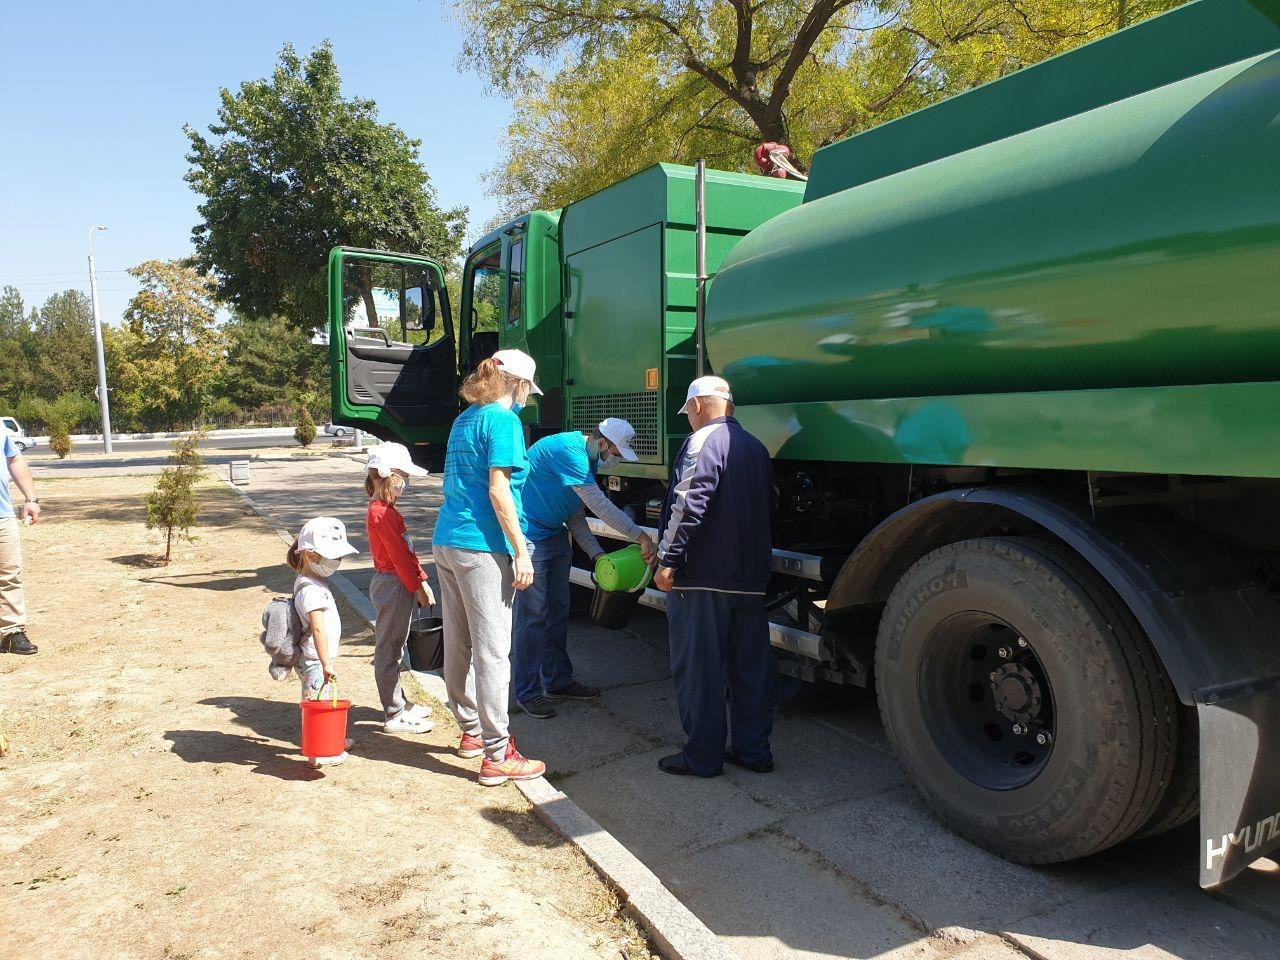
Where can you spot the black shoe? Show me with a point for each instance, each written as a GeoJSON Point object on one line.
{"type": "Point", "coordinates": [574, 691]}
{"type": "Point", "coordinates": [760, 766]}
{"type": "Point", "coordinates": [17, 643]}
{"type": "Point", "coordinates": [678, 765]}
{"type": "Point", "coordinates": [538, 708]}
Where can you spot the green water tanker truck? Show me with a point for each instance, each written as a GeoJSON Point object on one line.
{"type": "Point", "coordinates": [1017, 358]}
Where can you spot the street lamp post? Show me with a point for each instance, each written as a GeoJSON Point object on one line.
{"type": "Point", "coordinates": [103, 399]}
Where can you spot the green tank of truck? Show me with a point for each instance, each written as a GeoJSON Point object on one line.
{"type": "Point", "coordinates": [1014, 356]}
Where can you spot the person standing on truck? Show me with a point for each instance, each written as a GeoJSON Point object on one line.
{"type": "Point", "coordinates": [482, 559]}
{"type": "Point", "coordinates": [560, 489]}
{"type": "Point", "coordinates": [715, 558]}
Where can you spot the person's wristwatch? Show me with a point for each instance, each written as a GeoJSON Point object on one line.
{"type": "Point", "coordinates": [32, 500]}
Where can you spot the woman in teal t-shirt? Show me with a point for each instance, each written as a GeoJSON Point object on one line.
{"type": "Point", "coordinates": [481, 560]}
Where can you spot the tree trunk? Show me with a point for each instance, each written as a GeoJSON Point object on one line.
{"type": "Point", "coordinates": [168, 543]}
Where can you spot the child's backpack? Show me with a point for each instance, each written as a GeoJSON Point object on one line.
{"type": "Point", "coordinates": [282, 635]}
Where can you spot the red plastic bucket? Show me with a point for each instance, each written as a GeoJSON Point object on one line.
{"type": "Point", "coordinates": [324, 726]}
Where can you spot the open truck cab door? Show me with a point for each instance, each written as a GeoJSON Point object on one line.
{"type": "Point", "coordinates": [391, 345]}
{"type": "Point", "coordinates": [396, 354]}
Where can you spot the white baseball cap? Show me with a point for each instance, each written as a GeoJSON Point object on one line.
{"type": "Point", "coordinates": [519, 364]}
{"type": "Point", "coordinates": [386, 457]}
{"type": "Point", "coordinates": [707, 387]}
{"type": "Point", "coordinates": [621, 434]}
{"type": "Point", "coordinates": [326, 536]}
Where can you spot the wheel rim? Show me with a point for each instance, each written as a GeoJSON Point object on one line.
{"type": "Point", "coordinates": [987, 701]}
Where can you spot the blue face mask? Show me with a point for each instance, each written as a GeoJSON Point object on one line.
{"type": "Point", "coordinates": [516, 406]}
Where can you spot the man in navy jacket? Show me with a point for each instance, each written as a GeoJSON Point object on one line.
{"type": "Point", "coordinates": [714, 561]}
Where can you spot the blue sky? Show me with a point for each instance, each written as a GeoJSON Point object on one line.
{"type": "Point", "coordinates": [96, 94]}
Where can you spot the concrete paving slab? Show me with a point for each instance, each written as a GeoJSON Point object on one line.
{"type": "Point", "coordinates": [891, 843]}
{"type": "Point", "coordinates": [579, 737]}
{"type": "Point", "coordinates": [816, 768]}
{"type": "Point", "coordinates": [658, 816]}
{"type": "Point", "coordinates": [1256, 890]}
{"type": "Point", "coordinates": [1159, 921]}
{"type": "Point", "coordinates": [785, 902]}
{"type": "Point", "coordinates": [649, 709]}
{"type": "Point", "coordinates": [611, 658]}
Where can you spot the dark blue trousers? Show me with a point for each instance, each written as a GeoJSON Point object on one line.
{"type": "Point", "coordinates": [719, 644]}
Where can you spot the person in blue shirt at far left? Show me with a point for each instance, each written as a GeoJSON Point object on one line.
{"type": "Point", "coordinates": [560, 488]}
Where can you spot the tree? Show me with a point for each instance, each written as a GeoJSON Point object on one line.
{"type": "Point", "coordinates": [170, 351]}
{"type": "Point", "coordinates": [305, 431]}
{"type": "Point", "coordinates": [292, 169]}
{"type": "Point", "coordinates": [62, 352]}
{"type": "Point", "coordinates": [60, 416]}
{"type": "Point", "coordinates": [640, 81]}
{"type": "Point", "coordinates": [173, 505]}
{"type": "Point", "coordinates": [269, 360]}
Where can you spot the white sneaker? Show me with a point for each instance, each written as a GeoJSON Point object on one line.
{"type": "Point", "coordinates": [404, 722]}
{"type": "Point", "coordinates": [317, 762]}
{"type": "Point", "coordinates": [418, 710]}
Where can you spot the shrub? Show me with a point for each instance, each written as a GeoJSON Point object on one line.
{"type": "Point", "coordinates": [305, 431]}
{"type": "Point", "coordinates": [59, 439]}
{"type": "Point", "coordinates": [172, 505]}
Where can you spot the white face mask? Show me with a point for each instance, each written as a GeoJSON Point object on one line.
{"type": "Point", "coordinates": [608, 460]}
{"type": "Point", "coordinates": [399, 485]}
{"type": "Point", "coordinates": [324, 568]}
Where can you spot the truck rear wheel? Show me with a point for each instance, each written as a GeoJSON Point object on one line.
{"type": "Point", "coordinates": [1024, 699]}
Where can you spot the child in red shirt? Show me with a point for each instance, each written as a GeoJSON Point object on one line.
{"type": "Point", "coordinates": [398, 582]}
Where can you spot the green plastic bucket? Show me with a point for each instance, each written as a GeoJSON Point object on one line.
{"type": "Point", "coordinates": [623, 571]}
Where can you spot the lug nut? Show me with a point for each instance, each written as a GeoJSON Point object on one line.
{"type": "Point", "coordinates": [1044, 739]}
{"type": "Point", "coordinates": [1022, 641]}
{"type": "Point", "coordinates": [1005, 653]}
{"type": "Point", "coordinates": [1019, 729]}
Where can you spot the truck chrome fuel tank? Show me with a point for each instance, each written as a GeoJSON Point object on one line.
{"type": "Point", "coordinates": [1136, 244]}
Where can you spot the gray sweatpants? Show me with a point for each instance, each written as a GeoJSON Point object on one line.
{"type": "Point", "coordinates": [395, 606]}
{"type": "Point", "coordinates": [476, 595]}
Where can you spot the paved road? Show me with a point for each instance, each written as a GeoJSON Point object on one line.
{"type": "Point", "coordinates": [832, 855]}
{"type": "Point", "coordinates": [151, 456]}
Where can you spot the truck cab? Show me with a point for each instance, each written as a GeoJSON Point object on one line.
{"type": "Point", "coordinates": [399, 352]}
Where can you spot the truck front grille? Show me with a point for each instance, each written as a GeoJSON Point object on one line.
{"type": "Point", "coordinates": [638, 409]}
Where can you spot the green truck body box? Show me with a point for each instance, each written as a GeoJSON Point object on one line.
{"type": "Point", "coordinates": [630, 294]}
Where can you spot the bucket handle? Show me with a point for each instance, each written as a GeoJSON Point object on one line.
{"type": "Point", "coordinates": [645, 581]}
{"type": "Point", "coordinates": [333, 690]}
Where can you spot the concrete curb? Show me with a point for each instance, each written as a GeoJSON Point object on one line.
{"type": "Point", "coordinates": [678, 934]}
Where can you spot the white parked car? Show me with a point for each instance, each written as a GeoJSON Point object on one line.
{"type": "Point", "coordinates": [14, 429]}
{"type": "Point", "coordinates": [336, 431]}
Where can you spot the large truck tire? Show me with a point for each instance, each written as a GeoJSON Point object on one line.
{"type": "Point", "coordinates": [1181, 800]}
{"type": "Point", "coordinates": [1024, 699]}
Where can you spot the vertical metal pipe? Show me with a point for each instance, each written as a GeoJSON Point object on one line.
{"type": "Point", "coordinates": [700, 247]}
{"type": "Point", "coordinates": [104, 399]}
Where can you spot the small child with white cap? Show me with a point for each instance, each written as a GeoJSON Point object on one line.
{"type": "Point", "coordinates": [315, 556]}
{"type": "Point", "coordinates": [398, 582]}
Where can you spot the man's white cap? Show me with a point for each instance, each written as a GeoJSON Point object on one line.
{"type": "Point", "coordinates": [326, 536]}
{"type": "Point", "coordinates": [386, 457]}
{"type": "Point", "coordinates": [621, 434]}
{"type": "Point", "coordinates": [519, 364]}
{"type": "Point", "coordinates": [707, 387]}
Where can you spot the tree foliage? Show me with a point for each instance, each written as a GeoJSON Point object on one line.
{"type": "Point", "coordinates": [169, 352]}
{"type": "Point", "coordinates": [305, 431]}
{"type": "Point", "coordinates": [292, 169]}
{"type": "Point", "coordinates": [635, 82]}
{"type": "Point", "coordinates": [173, 506]}
{"type": "Point", "coordinates": [268, 361]}
{"type": "Point", "coordinates": [60, 416]}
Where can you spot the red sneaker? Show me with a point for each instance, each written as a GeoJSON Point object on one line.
{"type": "Point", "coordinates": [512, 767]}
{"type": "Point", "coordinates": [470, 747]}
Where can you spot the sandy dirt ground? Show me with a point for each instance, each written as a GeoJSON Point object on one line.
{"type": "Point", "coordinates": [153, 803]}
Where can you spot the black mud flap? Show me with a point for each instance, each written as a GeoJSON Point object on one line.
{"type": "Point", "coordinates": [1239, 782]}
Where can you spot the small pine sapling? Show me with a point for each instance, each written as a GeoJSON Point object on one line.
{"type": "Point", "coordinates": [172, 505]}
{"type": "Point", "coordinates": [305, 431]}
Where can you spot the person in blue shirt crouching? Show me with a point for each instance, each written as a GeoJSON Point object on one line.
{"type": "Point", "coordinates": [560, 488]}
